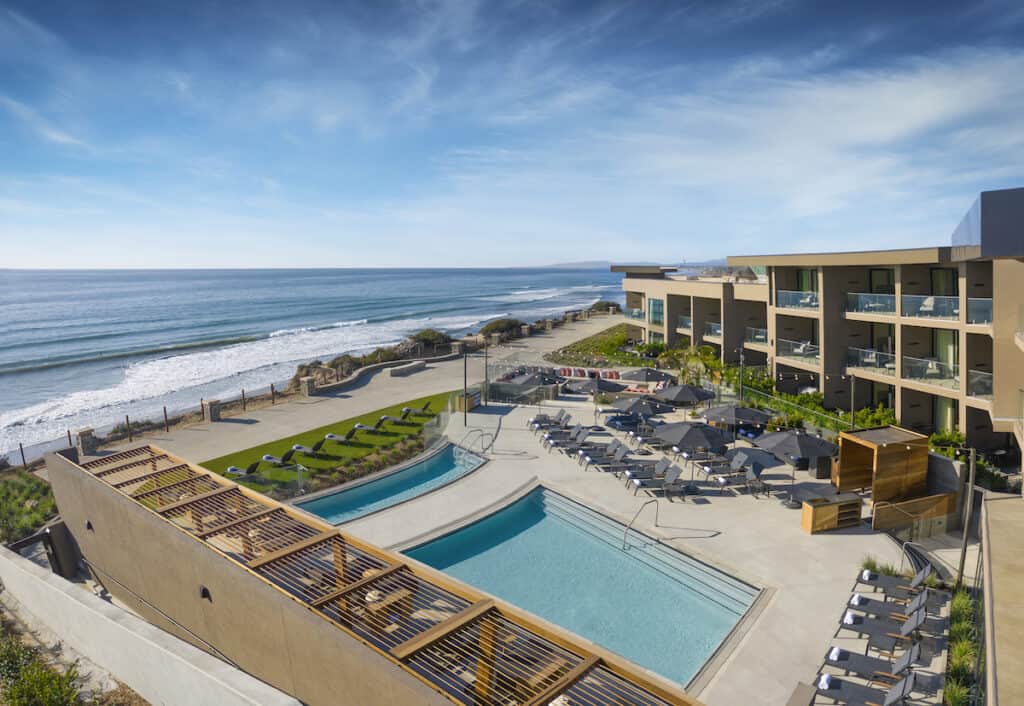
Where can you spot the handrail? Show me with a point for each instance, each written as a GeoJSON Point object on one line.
{"type": "Point", "coordinates": [625, 533]}
{"type": "Point", "coordinates": [905, 555]}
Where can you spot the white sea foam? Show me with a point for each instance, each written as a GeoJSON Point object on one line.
{"type": "Point", "coordinates": [146, 381]}
{"type": "Point", "coordinates": [523, 296]}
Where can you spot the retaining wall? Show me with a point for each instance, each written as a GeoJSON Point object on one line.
{"type": "Point", "coordinates": [370, 370]}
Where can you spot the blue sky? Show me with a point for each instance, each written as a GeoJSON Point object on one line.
{"type": "Point", "coordinates": [462, 133]}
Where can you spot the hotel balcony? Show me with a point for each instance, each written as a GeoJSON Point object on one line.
{"type": "Point", "coordinates": [712, 330]}
{"type": "Point", "coordinates": [798, 350]}
{"type": "Point", "coordinates": [930, 306]}
{"type": "Point", "coordinates": [884, 304]}
{"type": "Point", "coordinates": [756, 335]}
{"type": "Point", "coordinates": [931, 371]}
{"type": "Point", "coordinates": [637, 314]}
{"type": "Point", "coordinates": [870, 359]}
{"type": "Point", "coordinates": [979, 384]}
{"type": "Point", "coordinates": [796, 300]}
{"type": "Point", "coordinates": [979, 311]}
{"type": "Point", "coordinates": [685, 323]}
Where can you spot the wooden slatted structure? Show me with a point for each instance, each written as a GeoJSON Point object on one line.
{"type": "Point", "coordinates": [890, 461]}
{"type": "Point", "coordinates": [466, 645]}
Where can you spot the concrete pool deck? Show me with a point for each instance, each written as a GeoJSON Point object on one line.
{"type": "Point", "coordinates": [809, 578]}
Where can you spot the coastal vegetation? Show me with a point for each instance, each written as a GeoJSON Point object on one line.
{"type": "Point", "coordinates": [502, 326]}
{"type": "Point", "coordinates": [952, 444]}
{"type": "Point", "coordinates": [337, 463]}
{"type": "Point", "coordinates": [606, 348]}
{"type": "Point", "coordinates": [605, 305]}
{"type": "Point", "coordinates": [26, 503]}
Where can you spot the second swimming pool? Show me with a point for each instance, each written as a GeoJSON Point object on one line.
{"type": "Point", "coordinates": [380, 493]}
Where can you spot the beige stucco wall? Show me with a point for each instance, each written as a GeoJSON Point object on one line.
{"type": "Point", "coordinates": [253, 624]}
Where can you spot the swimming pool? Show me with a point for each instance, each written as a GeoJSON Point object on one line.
{"type": "Point", "coordinates": [357, 501]}
{"type": "Point", "coordinates": [658, 607]}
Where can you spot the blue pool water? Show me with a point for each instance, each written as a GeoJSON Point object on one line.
{"type": "Point", "coordinates": [440, 469]}
{"type": "Point", "coordinates": [651, 604]}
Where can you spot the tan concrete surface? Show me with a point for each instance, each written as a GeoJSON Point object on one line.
{"type": "Point", "coordinates": [756, 539]}
{"type": "Point", "coordinates": [1005, 516]}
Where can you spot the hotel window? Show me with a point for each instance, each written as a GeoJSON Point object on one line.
{"type": "Point", "coordinates": [655, 337]}
{"type": "Point", "coordinates": [883, 281]}
{"type": "Point", "coordinates": [807, 280]}
{"type": "Point", "coordinates": [945, 282]}
{"type": "Point", "coordinates": [656, 311]}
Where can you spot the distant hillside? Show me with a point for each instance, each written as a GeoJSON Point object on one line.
{"type": "Point", "coordinates": [583, 265]}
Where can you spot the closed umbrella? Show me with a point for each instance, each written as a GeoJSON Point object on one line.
{"type": "Point", "coordinates": [684, 394]}
{"type": "Point", "coordinates": [735, 414]}
{"type": "Point", "coordinates": [648, 375]}
{"type": "Point", "coordinates": [641, 406]}
{"type": "Point", "coordinates": [593, 385]}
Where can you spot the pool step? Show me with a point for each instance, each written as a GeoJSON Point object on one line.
{"type": "Point", "coordinates": [710, 583]}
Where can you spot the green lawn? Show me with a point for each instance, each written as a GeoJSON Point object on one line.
{"type": "Point", "coordinates": [601, 349]}
{"type": "Point", "coordinates": [332, 455]}
{"type": "Point", "coordinates": [25, 504]}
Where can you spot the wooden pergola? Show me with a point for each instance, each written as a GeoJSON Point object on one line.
{"type": "Point", "coordinates": [437, 629]}
{"type": "Point", "coordinates": [891, 461]}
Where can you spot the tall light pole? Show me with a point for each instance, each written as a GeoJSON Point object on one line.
{"type": "Point", "coordinates": [465, 387]}
{"type": "Point", "coordinates": [967, 520]}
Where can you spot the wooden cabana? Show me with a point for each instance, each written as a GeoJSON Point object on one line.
{"type": "Point", "coordinates": [891, 461]}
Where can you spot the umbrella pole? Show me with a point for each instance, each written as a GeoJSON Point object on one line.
{"type": "Point", "coordinates": [791, 501]}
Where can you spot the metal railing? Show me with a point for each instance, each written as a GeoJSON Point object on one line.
{"type": "Point", "coordinates": [871, 303]}
{"type": "Point", "coordinates": [979, 383]}
{"type": "Point", "coordinates": [685, 322]}
{"type": "Point", "coordinates": [804, 350]}
{"type": "Point", "coordinates": [931, 306]}
{"type": "Point", "coordinates": [756, 335]}
{"type": "Point", "coordinates": [871, 359]}
{"type": "Point", "coordinates": [638, 314]}
{"type": "Point", "coordinates": [713, 329]}
{"type": "Point", "coordinates": [625, 532]}
{"type": "Point", "coordinates": [931, 371]}
{"type": "Point", "coordinates": [796, 300]}
{"type": "Point", "coordinates": [979, 310]}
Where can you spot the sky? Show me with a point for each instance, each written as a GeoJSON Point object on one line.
{"type": "Point", "coordinates": [458, 133]}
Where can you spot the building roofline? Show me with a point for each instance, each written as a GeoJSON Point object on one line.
{"type": "Point", "coordinates": [644, 269]}
{"type": "Point", "coordinates": [905, 256]}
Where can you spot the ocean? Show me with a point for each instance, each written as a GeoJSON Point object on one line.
{"type": "Point", "coordinates": [85, 348]}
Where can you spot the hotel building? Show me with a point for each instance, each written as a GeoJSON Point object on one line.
{"type": "Point", "coordinates": [935, 333]}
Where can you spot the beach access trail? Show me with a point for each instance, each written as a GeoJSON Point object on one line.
{"type": "Point", "coordinates": [199, 442]}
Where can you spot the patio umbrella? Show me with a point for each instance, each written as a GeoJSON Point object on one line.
{"type": "Point", "coordinates": [641, 406]}
{"type": "Point", "coordinates": [593, 385]}
{"type": "Point", "coordinates": [736, 414]}
{"type": "Point", "coordinates": [793, 444]}
{"type": "Point", "coordinates": [691, 435]}
{"type": "Point", "coordinates": [755, 459]}
{"type": "Point", "coordinates": [648, 375]}
{"type": "Point", "coordinates": [533, 380]}
{"type": "Point", "coordinates": [684, 394]}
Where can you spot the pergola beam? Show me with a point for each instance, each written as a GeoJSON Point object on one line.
{"type": "Point", "coordinates": [565, 682]}
{"type": "Point", "coordinates": [170, 486]}
{"type": "Point", "coordinates": [130, 464]}
{"type": "Point", "coordinates": [355, 586]}
{"type": "Point", "coordinates": [195, 498]}
{"type": "Point", "coordinates": [151, 474]}
{"type": "Point", "coordinates": [241, 520]}
{"type": "Point", "coordinates": [292, 548]}
{"type": "Point", "coordinates": [442, 629]}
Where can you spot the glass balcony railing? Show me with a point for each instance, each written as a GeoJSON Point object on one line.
{"type": "Point", "coordinates": [798, 349]}
{"type": "Point", "coordinates": [871, 303]}
{"type": "Point", "coordinates": [871, 359]}
{"type": "Point", "coordinates": [979, 311]}
{"type": "Point", "coordinates": [756, 335]}
{"type": "Point", "coordinates": [930, 306]}
{"type": "Point", "coordinates": [796, 300]}
{"type": "Point", "coordinates": [979, 384]}
{"type": "Point", "coordinates": [685, 322]}
{"type": "Point", "coordinates": [636, 314]}
{"type": "Point", "coordinates": [713, 329]}
{"type": "Point", "coordinates": [932, 371]}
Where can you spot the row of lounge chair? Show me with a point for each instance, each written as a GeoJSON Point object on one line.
{"type": "Point", "coordinates": [892, 620]}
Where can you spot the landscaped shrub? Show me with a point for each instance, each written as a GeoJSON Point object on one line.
{"type": "Point", "coordinates": [14, 657]}
{"type": "Point", "coordinates": [962, 654]}
{"type": "Point", "coordinates": [955, 693]}
{"type": "Point", "coordinates": [431, 337]}
{"type": "Point", "coordinates": [605, 305]}
{"type": "Point", "coordinates": [26, 503]}
{"type": "Point", "coordinates": [871, 564]}
{"type": "Point", "coordinates": [960, 630]}
{"type": "Point", "coordinates": [501, 326]}
{"type": "Point", "coordinates": [961, 607]}
{"type": "Point", "coordinates": [40, 685]}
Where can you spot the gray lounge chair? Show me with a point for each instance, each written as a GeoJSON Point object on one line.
{"type": "Point", "coordinates": [883, 630]}
{"type": "Point", "coordinates": [895, 585]}
{"type": "Point", "coordinates": [842, 691]}
{"type": "Point", "coordinates": [282, 461]}
{"type": "Point", "coordinates": [574, 439]}
{"type": "Point", "coordinates": [873, 668]}
{"type": "Point", "coordinates": [647, 472]}
{"type": "Point", "coordinates": [654, 484]}
{"type": "Point", "coordinates": [247, 471]}
{"type": "Point", "coordinates": [597, 454]}
{"type": "Point", "coordinates": [892, 609]}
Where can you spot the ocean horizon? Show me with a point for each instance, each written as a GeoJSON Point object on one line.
{"type": "Point", "coordinates": [86, 347]}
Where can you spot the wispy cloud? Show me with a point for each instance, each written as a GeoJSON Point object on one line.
{"type": "Point", "coordinates": [40, 125]}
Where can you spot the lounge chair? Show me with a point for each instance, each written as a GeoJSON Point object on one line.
{"type": "Point", "coordinates": [342, 439]}
{"type": "Point", "coordinates": [883, 630]}
{"type": "Point", "coordinates": [654, 484]}
{"type": "Point", "coordinates": [892, 609]}
{"type": "Point", "coordinates": [755, 485]}
{"type": "Point", "coordinates": [894, 585]}
{"type": "Point", "coordinates": [598, 453]}
{"type": "Point", "coordinates": [873, 668]}
{"type": "Point", "coordinates": [282, 461]}
{"type": "Point", "coordinates": [647, 472]}
{"type": "Point", "coordinates": [542, 421]}
{"type": "Point", "coordinates": [247, 471]}
{"type": "Point", "coordinates": [577, 436]}
{"type": "Point", "coordinates": [313, 450]}
{"type": "Point", "coordinates": [842, 691]}
{"type": "Point", "coordinates": [571, 446]}
{"type": "Point", "coordinates": [620, 462]}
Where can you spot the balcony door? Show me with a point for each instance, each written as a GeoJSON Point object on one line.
{"type": "Point", "coordinates": [944, 413]}
{"type": "Point", "coordinates": [882, 281]}
{"type": "Point", "coordinates": [807, 280]}
{"type": "Point", "coordinates": [945, 346]}
{"type": "Point", "coordinates": [883, 338]}
{"type": "Point", "coordinates": [945, 282]}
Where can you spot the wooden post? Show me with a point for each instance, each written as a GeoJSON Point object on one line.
{"type": "Point", "coordinates": [70, 444]}
{"type": "Point", "coordinates": [167, 426]}
{"type": "Point", "coordinates": [24, 463]}
{"type": "Point", "coordinates": [485, 663]}
{"type": "Point", "coordinates": [243, 399]}
{"type": "Point", "coordinates": [202, 410]}
{"type": "Point", "coordinates": [128, 425]}
{"type": "Point", "coordinates": [273, 394]}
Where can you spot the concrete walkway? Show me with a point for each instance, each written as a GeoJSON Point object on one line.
{"type": "Point", "coordinates": [201, 442]}
{"type": "Point", "coordinates": [809, 577]}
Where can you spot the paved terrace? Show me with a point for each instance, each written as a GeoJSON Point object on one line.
{"type": "Point", "coordinates": [809, 578]}
{"type": "Point", "coordinates": [1004, 527]}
